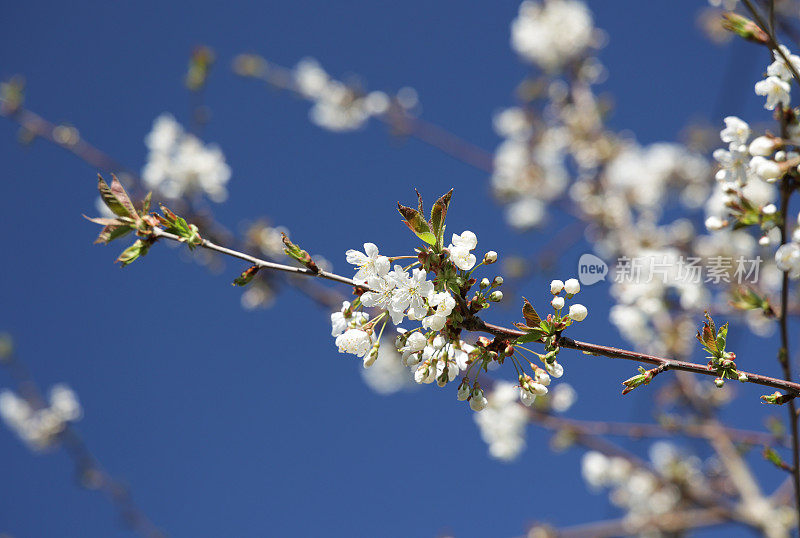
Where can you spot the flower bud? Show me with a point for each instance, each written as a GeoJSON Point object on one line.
{"type": "Point", "coordinates": [554, 368]}
{"type": "Point", "coordinates": [577, 312]}
{"type": "Point", "coordinates": [370, 359]}
{"type": "Point", "coordinates": [763, 146]}
{"type": "Point", "coordinates": [744, 28]}
{"type": "Point", "coordinates": [556, 286]}
{"type": "Point", "coordinates": [769, 209]}
{"type": "Point", "coordinates": [496, 296]}
{"type": "Point", "coordinates": [490, 257]}
{"type": "Point", "coordinates": [478, 401]}
{"type": "Point", "coordinates": [714, 223]}
{"type": "Point", "coordinates": [743, 377]}
{"type": "Point", "coordinates": [557, 303]}
{"type": "Point", "coordinates": [572, 286]}
{"type": "Point", "coordinates": [719, 382]}
{"type": "Point", "coordinates": [498, 281]}
{"type": "Point", "coordinates": [401, 340]}
{"type": "Point", "coordinates": [508, 351]}
{"type": "Point", "coordinates": [463, 390]}
{"type": "Point", "coordinates": [485, 283]}
{"type": "Point", "coordinates": [766, 169]}
{"type": "Point", "coordinates": [542, 378]}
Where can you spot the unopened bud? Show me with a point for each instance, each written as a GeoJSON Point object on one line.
{"type": "Point", "coordinates": [496, 296]}
{"type": "Point", "coordinates": [508, 351]}
{"type": "Point", "coordinates": [743, 377]}
{"type": "Point", "coordinates": [490, 257]}
{"type": "Point", "coordinates": [485, 283]}
{"type": "Point", "coordinates": [463, 390]}
{"type": "Point", "coordinates": [370, 359]}
{"type": "Point", "coordinates": [764, 146]}
{"type": "Point", "coordinates": [498, 281]}
{"type": "Point", "coordinates": [719, 382]}
{"type": "Point", "coordinates": [744, 28]}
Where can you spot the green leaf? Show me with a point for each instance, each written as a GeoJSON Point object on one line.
{"type": "Point", "coordinates": [146, 203]}
{"type": "Point", "coordinates": [246, 276]}
{"type": "Point", "coordinates": [532, 336]}
{"type": "Point", "coordinates": [417, 224]}
{"type": "Point", "coordinates": [110, 233]}
{"type": "Point", "coordinates": [133, 252]}
{"type": "Point", "coordinates": [530, 315]}
{"type": "Point", "coordinates": [122, 197]}
{"type": "Point", "coordinates": [177, 225]}
{"type": "Point", "coordinates": [110, 199]}
{"type": "Point", "coordinates": [438, 214]}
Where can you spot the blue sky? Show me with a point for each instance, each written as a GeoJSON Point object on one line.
{"type": "Point", "coordinates": [226, 422]}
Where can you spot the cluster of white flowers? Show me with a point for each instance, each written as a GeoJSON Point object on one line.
{"type": "Point", "coordinates": [347, 326]}
{"type": "Point", "coordinates": [503, 420]}
{"type": "Point", "coordinates": [643, 174]}
{"type": "Point", "coordinates": [765, 162]}
{"type": "Point", "coordinates": [502, 423]}
{"type": "Point", "coordinates": [339, 107]}
{"type": "Point", "coordinates": [528, 169]}
{"type": "Point", "coordinates": [552, 33]}
{"type": "Point", "coordinates": [778, 82]}
{"type": "Point", "coordinates": [438, 360]}
{"type": "Point", "coordinates": [179, 164]}
{"type": "Point", "coordinates": [432, 351]}
{"type": "Point", "coordinates": [743, 162]}
{"type": "Point", "coordinates": [39, 427]}
{"type": "Point", "coordinates": [403, 294]}
{"type": "Point", "coordinates": [639, 492]}
{"type": "Point", "coordinates": [577, 312]}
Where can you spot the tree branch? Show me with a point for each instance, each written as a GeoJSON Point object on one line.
{"type": "Point", "coordinates": [263, 264]}
{"type": "Point", "coordinates": [793, 389]}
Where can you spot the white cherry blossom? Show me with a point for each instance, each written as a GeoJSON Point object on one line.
{"type": "Point", "coordinates": [775, 90]}
{"type": "Point", "coordinates": [443, 304]}
{"type": "Point", "coordinates": [411, 293]}
{"type": "Point", "coordinates": [354, 341]}
{"type": "Point", "coordinates": [369, 263]}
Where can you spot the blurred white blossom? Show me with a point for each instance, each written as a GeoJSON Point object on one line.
{"type": "Point", "coordinates": [179, 164]}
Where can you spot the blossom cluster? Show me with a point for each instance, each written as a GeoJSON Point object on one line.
{"type": "Point", "coordinates": [339, 106]}
{"type": "Point", "coordinates": [503, 421]}
{"type": "Point", "coordinates": [552, 33]}
{"type": "Point", "coordinates": [39, 425]}
{"type": "Point", "coordinates": [179, 164]}
{"type": "Point", "coordinates": [436, 291]}
{"type": "Point", "coordinates": [398, 293]}
{"type": "Point", "coordinates": [747, 172]}
{"type": "Point", "coordinates": [640, 492]}
{"type": "Point", "coordinates": [775, 87]}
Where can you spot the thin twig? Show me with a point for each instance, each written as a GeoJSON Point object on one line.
{"type": "Point", "coordinates": [263, 264]}
{"type": "Point", "coordinates": [436, 136]}
{"type": "Point", "coordinates": [773, 42]}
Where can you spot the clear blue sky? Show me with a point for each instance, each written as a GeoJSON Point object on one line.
{"type": "Point", "coordinates": [233, 423]}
